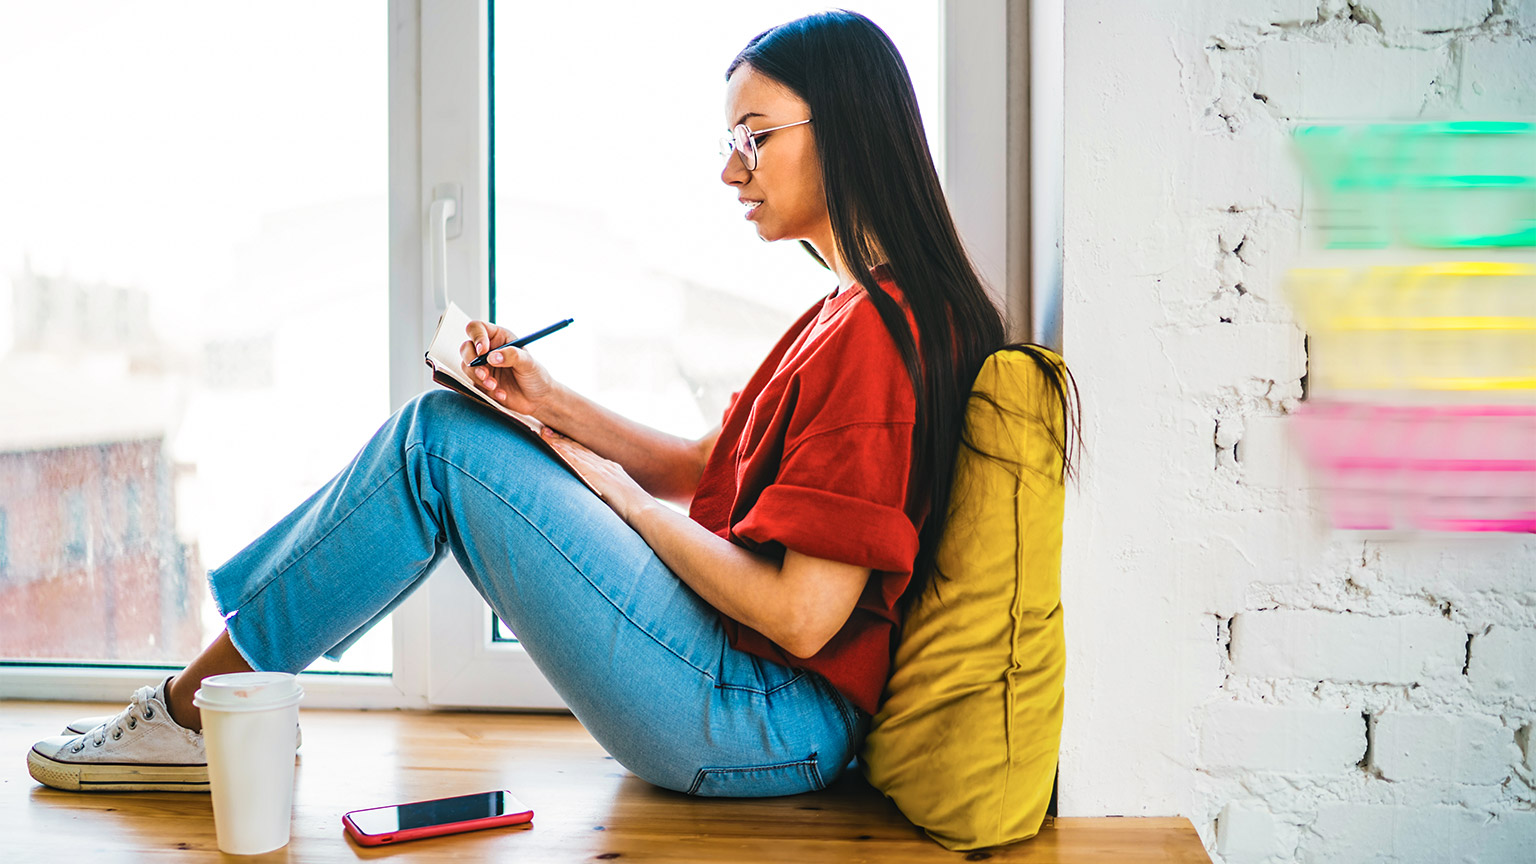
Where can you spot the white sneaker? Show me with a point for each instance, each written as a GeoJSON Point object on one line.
{"type": "Point", "coordinates": [86, 724]}
{"type": "Point", "coordinates": [140, 749]}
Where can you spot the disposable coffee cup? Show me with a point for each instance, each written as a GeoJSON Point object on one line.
{"type": "Point", "coordinates": [250, 720]}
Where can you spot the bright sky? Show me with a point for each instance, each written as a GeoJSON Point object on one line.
{"type": "Point", "coordinates": [629, 135]}
{"type": "Point", "coordinates": [143, 142]}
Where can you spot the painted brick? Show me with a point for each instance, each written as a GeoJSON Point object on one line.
{"type": "Point", "coordinates": [1511, 837]}
{"type": "Point", "coordinates": [1446, 564]}
{"type": "Point", "coordinates": [1503, 663]}
{"type": "Point", "coordinates": [1334, 646]}
{"type": "Point", "coordinates": [1270, 455]}
{"type": "Point", "coordinates": [1275, 10]}
{"type": "Point", "coordinates": [1283, 740]}
{"type": "Point", "coordinates": [1206, 359]}
{"type": "Point", "coordinates": [1247, 833]}
{"type": "Point", "coordinates": [1523, 11]}
{"type": "Point", "coordinates": [1242, 548]}
{"type": "Point", "coordinates": [1498, 78]}
{"type": "Point", "coordinates": [1321, 81]}
{"type": "Point", "coordinates": [1246, 171]}
{"type": "Point", "coordinates": [1363, 833]}
{"type": "Point", "coordinates": [1439, 747]}
{"type": "Point", "coordinates": [1429, 15]}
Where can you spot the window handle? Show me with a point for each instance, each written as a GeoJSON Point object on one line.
{"type": "Point", "coordinates": [443, 224]}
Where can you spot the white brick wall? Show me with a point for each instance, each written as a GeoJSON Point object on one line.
{"type": "Point", "coordinates": [1441, 747]}
{"type": "Point", "coordinates": [1282, 740]}
{"type": "Point", "coordinates": [1397, 15]}
{"type": "Point", "coordinates": [1316, 645]}
{"type": "Point", "coordinates": [1508, 836]}
{"type": "Point", "coordinates": [1254, 351]}
{"type": "Point", "coordinates": [1491, 83]}
{"type": "Point", "coordinates": [1228, 652]}
{"type": "Point", "coordinates": [1361, 833]}
{"type": "Point", "coordinates": [1503, 664]}
{"type": "Point", "coordinates": [1522, 11]}
{"type": "Point", "coordinates": [1303, 79]}
{"type": "Point", "coordinates": [1246, 832]}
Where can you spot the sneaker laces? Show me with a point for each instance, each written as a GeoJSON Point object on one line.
{"type": "Point", "coordinates": [139, 710]}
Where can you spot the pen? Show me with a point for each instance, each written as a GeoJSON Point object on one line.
{"type": "Point", "coordinates": [521, 341]}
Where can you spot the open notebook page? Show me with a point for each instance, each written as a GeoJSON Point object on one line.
{"type": "Point", "coordinates": [444, 360]}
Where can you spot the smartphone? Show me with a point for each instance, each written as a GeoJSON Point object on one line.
{"type": "Point", "coordinates": [402, 822]}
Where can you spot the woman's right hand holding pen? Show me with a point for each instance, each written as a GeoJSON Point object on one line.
{"type": "Point", "coordinates": [510, 375]}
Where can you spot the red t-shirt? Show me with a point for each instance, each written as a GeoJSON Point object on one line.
{"type": "Point", "coordinates": [815, 455]}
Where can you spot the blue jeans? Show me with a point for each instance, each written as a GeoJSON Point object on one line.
{"type": "Point", "coordinates": [641, 659]}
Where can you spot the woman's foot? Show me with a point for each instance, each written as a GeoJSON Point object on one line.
{"type": "Point", "coordinates": [139, 749]}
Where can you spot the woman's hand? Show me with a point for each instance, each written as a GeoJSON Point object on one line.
{"type": "Point", "coordinates": [511, 376]}
{"type": "Point", "coordinates": [612, 482]}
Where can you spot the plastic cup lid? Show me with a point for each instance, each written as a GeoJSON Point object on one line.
{"type": "Point", "coordinates": [248, 691]}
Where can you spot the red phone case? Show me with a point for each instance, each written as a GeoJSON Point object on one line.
{"type": "Point", "coordinates": [518, 817]}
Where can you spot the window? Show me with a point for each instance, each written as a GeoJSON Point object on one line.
{"type": "Point", "coordinates": [196, 200]}
{"type": "Point", "coordinates": [208, 230]}
{"type": "Point", "coordinates": [77, 525]}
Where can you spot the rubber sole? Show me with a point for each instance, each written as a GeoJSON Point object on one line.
{"type": "Point", "coordinates": [121, 777]}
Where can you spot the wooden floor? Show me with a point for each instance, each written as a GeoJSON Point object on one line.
{"type": "Point", "coordinates": [586, 806]}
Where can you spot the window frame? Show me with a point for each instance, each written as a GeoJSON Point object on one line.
{"type": "Point", "coordinates": [439, 133]}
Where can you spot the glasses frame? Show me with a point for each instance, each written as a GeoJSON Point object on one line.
{"type": "Point", "coordinates": [743, 141]}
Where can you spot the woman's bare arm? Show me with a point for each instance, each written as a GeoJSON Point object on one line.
{"type": "Point", "coordinates": [800, 602]}
{"type": "Point", "coordinates": [665, 465]}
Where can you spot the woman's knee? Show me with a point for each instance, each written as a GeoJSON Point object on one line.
{"type": "Point", "coordinates": [426, 415]}
{"type": "Point", "coordinates": [434, 405]}
{"type": "Point", "coordinates": [471, 435]}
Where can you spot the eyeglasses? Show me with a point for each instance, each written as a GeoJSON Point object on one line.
{"type": "Point", "coordinates": [744, 142]}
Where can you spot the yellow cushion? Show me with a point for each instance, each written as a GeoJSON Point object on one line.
{"type": "Point", "coordinates": [967, 735]}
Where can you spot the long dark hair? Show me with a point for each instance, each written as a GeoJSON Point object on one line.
{"type": "Point", "coordinates": [886, 206]}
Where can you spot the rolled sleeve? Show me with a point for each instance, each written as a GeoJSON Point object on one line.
{"type": "Point", "coordinates": [836, 527]}
{"type": "Point", "coordinates": [840, 495]}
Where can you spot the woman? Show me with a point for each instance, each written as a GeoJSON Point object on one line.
{"type": "Point", "coordinates": [739, 650]}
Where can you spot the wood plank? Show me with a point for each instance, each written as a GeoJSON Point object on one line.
{"type": "Point", "coordinates": [586, 805]}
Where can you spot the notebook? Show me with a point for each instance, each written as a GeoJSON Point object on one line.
{"type": "Point", "coordinates": [444, 360]}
